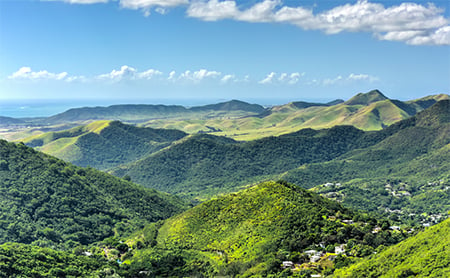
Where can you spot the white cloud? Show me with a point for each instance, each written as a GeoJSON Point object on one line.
{"type": "Point", "coordinates": [27, 73]}
{"type": "Point", "coordinates": [352, 77]}
{"type": "Point", "coordinates": [364, 77]}
{"type": "Point", "coordinates": [333, 81]}
{"type": "Point", "coordinates": [412, 23]}
{"type": "Point", "coordinates": [117, 75]}
{"type": "Point", "coordinates": [199, 75]}
{"type": "Point", "coordinates": [146, 5]}
{"type": "Point", "coordinates": [172, 75]}
{"type": "Point", "coordinates": [408, 22]}
{"type": "Point", "coordinates": [149, 74]}
{"type": "Point", "coordinates": [212, 10]}
{"type": "Point", "coordinates": [269, 78]}
{"type": "Point", "coordinates": [228, 78]}
{"type": "Point", "coordinates": [283, 78]}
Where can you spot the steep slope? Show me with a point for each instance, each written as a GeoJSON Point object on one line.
{"type": "Point", "coordinates": [367, 111]}
{"type": "Point", "coordinates": [250, 232]}
{"type": "Point", "coordinates": [103, 144]}
{"type": "Point", "coordinates": [402, 171]}
{"type": "Point", "coordinates": [366, 98]}
{"type": "Point", "coordinates": [48, 202]}
{"type": "Point", "coordinates": [204, 165]}
{"type": "Point", "coordinates": [425, 255]}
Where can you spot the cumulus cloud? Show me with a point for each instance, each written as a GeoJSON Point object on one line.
{"type": "Point", "coordinates": [197, 76]}
{"type": "Point", "coordinates": [352, 77]}
{"type": "Point", "coordinates": [117, 75]}
{"type": "Point", "coordinates": [27, 73]}
{"type": "Point", "coordinates": [269, 78]}
{"type": "Point", "coordinates": [149, 74]}
{"type": "Point", "coordinates": [412, 23]}
{"type": "Point", "coordinates": [228, 78]}
{"type": "Point", "coordinates": [408, 22]}
{"type": "Point", "coordinates": [283, 78]}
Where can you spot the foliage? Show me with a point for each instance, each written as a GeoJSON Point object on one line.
{"type": "Point", "coordinates": [425, 255]}
{"type": "Point", "coordinates": [22, 260]}
{"type": "Point", "coordinates": [251, 232]}
{"type": "Point", "coordinates": [48, 202]}
{"type": "Point", "coordinates": [104, 144]}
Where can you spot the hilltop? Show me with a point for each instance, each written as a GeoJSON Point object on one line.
{"type": "Point", "coordinates": [425, 255]}
{"type": "Point", "coordinates": [47, 202]}
{"type": "Point", "coordinates": [250, 233]}
{"type": "Point", "coordinates": [401, 173]}
{"type": "Point", "coordinates": [366, 111]}
{"type": "Point", "coordinates": [103, 144]}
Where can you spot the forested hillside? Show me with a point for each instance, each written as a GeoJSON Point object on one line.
{"type": "Point", "coordinates": [47, 202]}
{"type": "Point", "coordinates": [204, 165]}
{"type": "Point", "coordinates": [252, 232]}
{"type": "Point", "coordinates": [424, 255]}
{"type": "Point", "coordinates": [408, 172]}
{"type": "Point", "coordinates": [104, 144]}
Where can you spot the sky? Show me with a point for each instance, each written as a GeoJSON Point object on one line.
{"type": "Point", "coordinates": [202, 51]}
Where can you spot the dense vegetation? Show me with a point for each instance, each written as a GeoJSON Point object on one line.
{"type": "Point", "coordinates": [251, 232]}
{"type": "Point", "coordinates": [24, 260]}
{"type": "Point", "coordinates": [424, 255]}
{"type": "Point", "coordinates": [402, 173]}
{"type": "Point", "coordinates": [369, 111]}
{"type": "Point", "coordinates": [47, 202]}
{"type": "Point", "coordinates": [104, 144]}
{"type": "Point", "coordinates": [204, 165]}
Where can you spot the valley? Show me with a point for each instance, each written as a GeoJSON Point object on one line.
{"type": "Point", "coordinates": [311, 189]}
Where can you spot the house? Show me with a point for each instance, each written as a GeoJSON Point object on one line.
{"type": "Point", "coordinates": [314, 258]}
{"type": "Point", "coordinates": [340, 249]}
{"type": "Point", "coordinates": [311, 252]}
{"type": "Point", "coordinates": [288, 264]}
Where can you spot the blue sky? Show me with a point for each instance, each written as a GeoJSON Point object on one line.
{"type": "Point", "coordinates": [202, 51]}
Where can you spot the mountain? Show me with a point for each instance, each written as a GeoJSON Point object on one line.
{"type": "Point", "coordinates": [5, 121]}
{"type": "Point", "coordinates": [205, 165]}
{"type": "Point", "coordinates": [409, 166]}
{"type": "Point", "coordinates": [251, 232]}
{"type": "Point", "coordinates": [425, 255]}
{"type": "Point", "coordinates": [366, 98]}
{"type": "Point", "coordinates": [145, 112]}
{"type": "Point", "coordinates": [47, 202]}
{"type": "Point", "coordinates": [233, 105]}
{"type": "Point", "coordinates": [103, 144]}
{"type": "Point", "coordinates": [367, 111]}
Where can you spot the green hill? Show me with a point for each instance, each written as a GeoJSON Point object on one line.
{"type": "Point", "coordinates": [47, 202]}
{"type": "Point", "coordinates": [400, 173]}
{"type": "Point", "coordinates": [103, 144]}
{"type": "Point", "coordinates": [425, 255]}
{"type": "Point", "coordinates": [205, 165]}
{"type": "Point", "coordinates": [366, 98]}
{"type": "Point", "coordinates": [367, 111]}
{"type": "Point", "coordinates": [250, 233]}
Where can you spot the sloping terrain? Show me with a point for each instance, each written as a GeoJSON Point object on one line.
{"type": "Point", "coordinates": [48, 202]}
{"type": "Point", "coordinates": [250, 233]}
{"type": "Point", "coordinates": [205, 165]}
{"type": "Point", "coordinates": [425, 255]}
{"type": "Point", "coordinates": [366, 111]}
{"type": "Point", "coordinates": [103, 144]}
{"type": "Point", "coordinates": [400, 173]}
